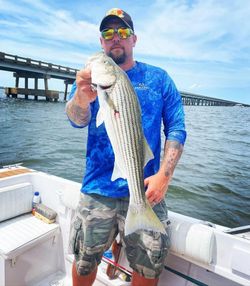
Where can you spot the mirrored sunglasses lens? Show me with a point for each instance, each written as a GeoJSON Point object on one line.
{"type": "Point", "coordinates": [108, 34]}
{"type": "Point", "coordinates": [124, 33]}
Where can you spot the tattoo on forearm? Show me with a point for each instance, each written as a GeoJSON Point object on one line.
{"type": "Point", "coordinates": [77, 114]}
{"type": "Point", "coordinates": [172, 154]}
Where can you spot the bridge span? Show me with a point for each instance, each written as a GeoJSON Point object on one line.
{"type": "Point", "coordinates": [33, 69]}
{"type": "Point", "coordinates": [196, 99]}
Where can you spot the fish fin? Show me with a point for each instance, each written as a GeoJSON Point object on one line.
{"type": "Point", "coordinates": [117, 173]}
{"type": "Point", "coordinates": [142, 219]}
{"type": "Point", "coordinates": [99, 118]}
{"type": "Point", "coordinates": [100, 113]}
{"type": "Point", "coordinates": [148, 154]}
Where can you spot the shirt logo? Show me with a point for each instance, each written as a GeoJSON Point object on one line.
{"type": "Point", "coordinates": [141, 86]}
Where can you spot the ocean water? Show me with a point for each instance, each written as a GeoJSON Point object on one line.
{"type": "Point", "coordinates": [211, 181]}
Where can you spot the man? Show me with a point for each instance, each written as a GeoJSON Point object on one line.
{"type": "Point", "coordinates": [103, 205]}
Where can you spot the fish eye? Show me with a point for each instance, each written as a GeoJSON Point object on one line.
{"type": "Point", "coordinates": [105, 87]}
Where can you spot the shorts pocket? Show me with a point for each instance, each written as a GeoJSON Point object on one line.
{"type": "Point", "coordinates": [76, 236]}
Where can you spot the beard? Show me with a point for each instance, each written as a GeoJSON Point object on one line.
{"type": "Point", "coordinates": [118, 58]}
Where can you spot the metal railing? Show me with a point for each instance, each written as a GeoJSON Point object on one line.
{"type": "Point", "coordinates": [8, 58]}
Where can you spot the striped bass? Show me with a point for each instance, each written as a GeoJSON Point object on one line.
{"type": "Point", "coordinates": [121, 114]}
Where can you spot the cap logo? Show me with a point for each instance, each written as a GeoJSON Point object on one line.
{"type": "Point", "coordinates": [115, 12]}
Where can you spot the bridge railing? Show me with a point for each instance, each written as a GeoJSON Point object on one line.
{"type": "Point", "coordinates": [30, 62]}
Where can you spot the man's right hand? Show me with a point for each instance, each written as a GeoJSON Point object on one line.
{"type": "Point", "coordinates": [78, 109]}
{"type": "Point", "coordinates": [84, 94]}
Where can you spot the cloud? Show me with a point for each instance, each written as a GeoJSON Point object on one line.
{"type": "Point", "coordinates": [182, 30]}
{"type": "Point", "coordinates": [206, 30]}
{"type": "Point", "coordinates": [195, 86]}
{"type": "Point", "coordinates": [38, 21]}
{"type": "Point", "coordinates": [204, 45]}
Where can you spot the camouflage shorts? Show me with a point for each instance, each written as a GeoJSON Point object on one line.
{"type": "Point", "coordinates": [97, 222]}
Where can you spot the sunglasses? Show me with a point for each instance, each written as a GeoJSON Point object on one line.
{"type": "Point", "coordinates": [123, 33]}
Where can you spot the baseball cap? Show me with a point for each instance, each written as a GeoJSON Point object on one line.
{"type": "Point", "coordinates": [117, 13]}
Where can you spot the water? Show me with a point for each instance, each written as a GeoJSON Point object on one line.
{"type": "Point", "coordinates": [212, 179]}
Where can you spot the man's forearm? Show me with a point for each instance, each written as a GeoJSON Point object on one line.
{"type": "Point", "coordinates": [79, 115]}
{"type": "Point", "coordinates": [172, 154]}
{"type": "Point", "coordinates": [157, 185]}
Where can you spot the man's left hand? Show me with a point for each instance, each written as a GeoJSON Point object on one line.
{"type": "Point", "coordinates": [157, 186]}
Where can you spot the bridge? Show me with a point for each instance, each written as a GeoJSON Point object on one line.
{"type": "Point", "coordinates": [32, 69]}
{"type": "Point", "coordinates": [196, 99]}
{"type": "Point", "coordinates": [28, 68]}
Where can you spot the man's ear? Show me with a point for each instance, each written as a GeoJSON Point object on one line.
{"type": "Point", "coordinates": [134, 40]}
{"type": "Point", "coordinates": [101, 41]}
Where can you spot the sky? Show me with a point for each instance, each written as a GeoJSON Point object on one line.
{"type": "Point", "coordinates": [204, 45]}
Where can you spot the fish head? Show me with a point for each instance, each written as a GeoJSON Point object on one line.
{"type": "Point", "coordinates": [103, 70]}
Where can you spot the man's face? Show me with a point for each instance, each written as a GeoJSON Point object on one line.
{"type": "Point", "coordinates": [120, 50]}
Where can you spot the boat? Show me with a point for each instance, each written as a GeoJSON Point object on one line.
{"type": "Point", "coordinates": [35, 252]}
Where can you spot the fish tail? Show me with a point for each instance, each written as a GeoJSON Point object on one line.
{"type": "Point", "coordinates": [144, 218]}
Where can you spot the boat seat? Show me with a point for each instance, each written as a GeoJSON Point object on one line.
{"type": "Point", "coordinates": [15, 200]}
{"type": "Point", "coordinates": [19, 229]}
{"type": "Point", "coordinates": [21, 233]}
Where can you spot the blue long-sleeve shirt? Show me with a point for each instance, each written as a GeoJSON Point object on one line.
{"type": "Point", "coordinates": [160, 102]}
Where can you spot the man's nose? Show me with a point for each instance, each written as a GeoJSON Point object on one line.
{"type": "Point", "coordinates": [116, 37]}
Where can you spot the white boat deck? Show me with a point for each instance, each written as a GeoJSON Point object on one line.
{"type": "Point", "coordinates": [35, 253]}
